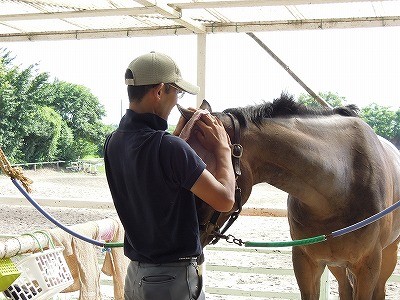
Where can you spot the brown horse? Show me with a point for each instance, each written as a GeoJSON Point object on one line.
{"type": "Point", "coordinates": [337, 172]}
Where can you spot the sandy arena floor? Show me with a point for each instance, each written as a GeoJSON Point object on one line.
{"type": "Point", "coordinates": [92, 190]}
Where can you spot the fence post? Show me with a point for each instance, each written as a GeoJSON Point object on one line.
{"type": "Point", "coordinates": [324, 288]}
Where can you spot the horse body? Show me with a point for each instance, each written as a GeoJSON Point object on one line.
{"type": "Point", "coordinates": [337, 172]}
{"type": "Point", "coordinates": [334, 182]}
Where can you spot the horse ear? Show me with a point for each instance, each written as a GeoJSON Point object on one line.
{"type": "Point", "coordinates": [205, 105]}
{"type": "Point", "coordinates": [187, 114]}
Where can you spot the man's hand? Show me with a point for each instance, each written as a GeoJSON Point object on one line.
{"type": "Point", "coordinates": [211, 133]}
{"type": "Point", "coordinates": [181, 123]}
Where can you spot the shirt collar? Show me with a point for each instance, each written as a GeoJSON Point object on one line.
{"type": "Point", "coordinates": [132, 120]}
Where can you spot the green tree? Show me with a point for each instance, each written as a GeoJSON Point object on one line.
{"type": "Point", "coordinates": [42, 139]}
{"type": "Point", "coordinates": [42, 120]}
{"type": "Point", "coordinates": [332, 98]}
{"type": "Point", "coordinates": [82, 112]}
{"type": "Point", "coordinates": [65, 151]}
{"type": "Point", "coordinates": [10, 140]}
{"type": "Point", "coordinates": [382, 119]}
{"type": "Point", "coordinates": [20, 90]}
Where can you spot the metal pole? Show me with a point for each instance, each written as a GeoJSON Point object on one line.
{"type": "Point", "coordinates": [201, 67]}
{"type": "Point", "coordinates": [286, 67]}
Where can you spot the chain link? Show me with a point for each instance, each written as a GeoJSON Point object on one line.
{"type": "Point", "coordinates": [229, 238]}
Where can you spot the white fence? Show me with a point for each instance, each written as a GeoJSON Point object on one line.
{"type": "Point", "coordinates": [40, 164]}
{"type": "Point", "coordinates": [224, 281]}
{"type": "Point", "coordinates": [87, 166]}
{"type": "Point", "coordinates": [276, 283]}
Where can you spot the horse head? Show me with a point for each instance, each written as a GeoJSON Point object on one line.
{"type": "Point", "coordinates": [213, 224]}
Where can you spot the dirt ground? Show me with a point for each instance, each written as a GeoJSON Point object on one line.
{"type": "Point", "coordinates": [87, 192]}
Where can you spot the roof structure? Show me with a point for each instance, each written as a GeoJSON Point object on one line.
{"type": "Point", "coordinates": [38, 20]}
{"type": "Point", "coordinates": [22, 20]}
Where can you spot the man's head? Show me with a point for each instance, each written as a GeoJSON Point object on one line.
{"type": "Point", "coordinates": [149, 70]}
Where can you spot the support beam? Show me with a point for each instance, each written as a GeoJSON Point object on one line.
{"type": "Point", "coordinates": [169, 12]}
{"type": "Point", "coordinates": [137, 11]}
{"type": "Point", "coordinates": [309, 24]}
{"type": "Point", "coordinates": [149, 9]}
{"type": "Point", "coordinates": [256, 3]}
{"type": "Point", "coordinates": [201, 67]}
{"type": "Point", "coordinates": [286, 25]}
{"type": "Point", "coordinates": [287, 69]}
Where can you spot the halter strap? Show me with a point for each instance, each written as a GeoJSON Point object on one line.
{"type": "Point", "coordinates": [236, 151]}
{"type": "Point", "coordinates": [236, 147]}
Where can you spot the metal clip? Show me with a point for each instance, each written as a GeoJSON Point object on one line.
{"type": "Point", "coordinates": [237, 150]}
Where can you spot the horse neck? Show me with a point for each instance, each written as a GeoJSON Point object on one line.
{"type": "Point", "coordinates": [294, 156]}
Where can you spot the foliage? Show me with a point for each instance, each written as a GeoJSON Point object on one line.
{"type": "Point", "coordinates": [82, 113]}
{"type": "Point", "coordinates": [43, 120]}
{"type": "Point", "coordinates": [43, 135]}
{"type": "Point", "coordinates": [331, 98]}
{"type": "Point", "coordinates": [171, 128]}
{"type": "Point", "coordinates": [383, 120]}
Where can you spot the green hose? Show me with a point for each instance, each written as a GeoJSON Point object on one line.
{"type": "Point", "coordinates": [113, 245]}
{"type": "Point", "coordinates": [313, 240]}
{"type": "Point", "coordinates": [309, 241]}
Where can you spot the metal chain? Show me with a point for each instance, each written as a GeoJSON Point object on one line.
{"type": "Point", "coordinates": [229, 238]}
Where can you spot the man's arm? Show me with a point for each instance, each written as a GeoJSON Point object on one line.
{"type": "Point", "coordinates": [217, 190]}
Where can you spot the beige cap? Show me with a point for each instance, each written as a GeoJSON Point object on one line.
{"type": "Point", "coordinates": [155, 68]}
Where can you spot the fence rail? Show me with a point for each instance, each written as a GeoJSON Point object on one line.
{"type": "Point", "coordinates": [88, 166]}
{"type": "Point", "coordinates": [36, 164]}
{"type": "Point", "coordinates": [326, 280]}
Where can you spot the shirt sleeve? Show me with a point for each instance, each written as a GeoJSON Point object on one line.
{"type": "Point", "coordinates": [180, 161]}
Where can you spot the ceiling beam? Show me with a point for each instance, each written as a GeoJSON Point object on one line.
{"type": "Point", "coordinates": [256, 3]}
{"type": "Point", "coordinates": [309, 24]}
{"type": "Point", "coordinates": [150, 8]}
{"type": "Point", "coordinates": [136, 11]}
{"type": "Point", "coordinates": [287, 25]}
{"type": "Point", "coordinates": [169, 12]}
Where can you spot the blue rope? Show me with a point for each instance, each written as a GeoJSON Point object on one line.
{"type": "Point", "coordinates": [365, 222]}
{"type": "Point", "coordinates": [334, 234]}
{"type": "Point", "coordinates": [50, 218]}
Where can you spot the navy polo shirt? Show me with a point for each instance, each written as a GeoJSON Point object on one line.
{"type": "Point", "coordinates": [150, 173]}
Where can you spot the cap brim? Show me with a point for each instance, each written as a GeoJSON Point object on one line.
{"type": "Point", "coordinates": [187, 87]}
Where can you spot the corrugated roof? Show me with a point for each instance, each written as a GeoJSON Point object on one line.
{"type": "Point", "coordinates": [75, 19]}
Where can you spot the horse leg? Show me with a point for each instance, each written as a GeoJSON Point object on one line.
{"type": "Point", "coordinates": [389, 260]}
{"type": "Point", "coordinates": [308, 274]}
{"type": "Point", "coordinates": [345, 288]}
{"type": "Point", "coordinates": [366, 273]}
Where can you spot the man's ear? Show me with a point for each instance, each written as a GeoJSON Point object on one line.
{"type": "Point", "coordinates": [157, 91]}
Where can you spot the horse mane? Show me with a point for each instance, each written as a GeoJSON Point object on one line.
{"type": "Point", "coordinates": [285, 106]}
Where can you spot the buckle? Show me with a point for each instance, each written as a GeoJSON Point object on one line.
{"type": "Point", "coordinates": [237, 150]}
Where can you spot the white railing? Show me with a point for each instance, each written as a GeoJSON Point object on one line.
{"type": "Point", "coordinates": [286, 287]}
{"type": "Point", "coordinates": [88, 166]}
{"type": "Point", "coordinates": [263, 290]}
{"type": "Point", "coordinates": [41, 164]}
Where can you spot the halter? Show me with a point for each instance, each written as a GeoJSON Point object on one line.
{"type": "Point", "coordinates": [211, 227]}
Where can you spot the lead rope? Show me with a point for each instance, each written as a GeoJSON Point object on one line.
{"type": "Point", "coordinates": [317, 239]}
{"type": "Point", "coordinates": [14, 172]}
{"type": "Point", "coordinates": [16, 175]}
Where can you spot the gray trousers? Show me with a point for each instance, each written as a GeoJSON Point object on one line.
{"type": "Point", "coordinates": [170, 281]}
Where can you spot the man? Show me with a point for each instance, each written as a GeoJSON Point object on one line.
{"type": "Point", "coordinates": [153, 177]}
